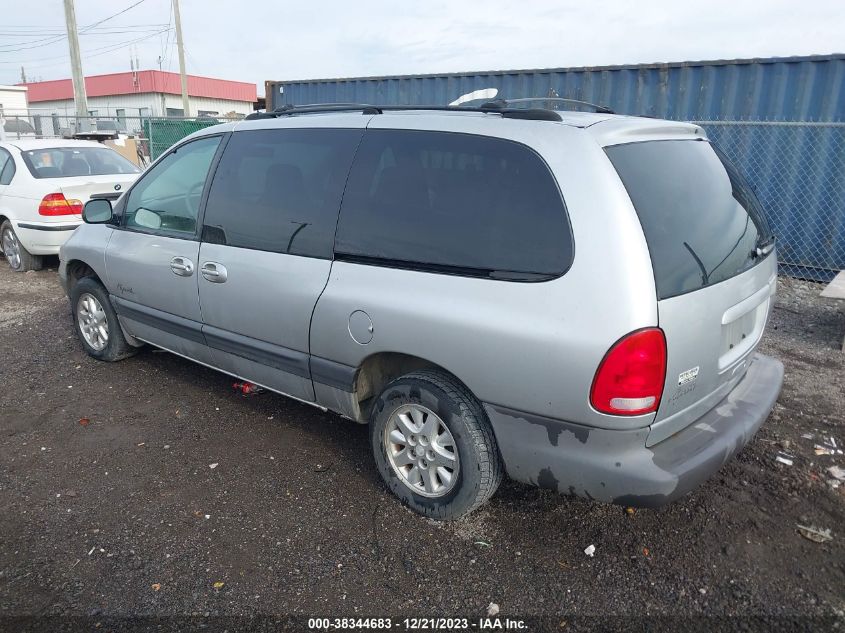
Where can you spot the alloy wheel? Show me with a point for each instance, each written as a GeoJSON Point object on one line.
{"type": "Point", "coordinates": [92, 320]}
{"type": "Point", "coordinates": [11, 248]}
{"type": "Point", "coordinates": [422, 451]}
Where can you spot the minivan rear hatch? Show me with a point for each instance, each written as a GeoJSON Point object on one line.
{"type": "Point", "coordinates": [714, 268]}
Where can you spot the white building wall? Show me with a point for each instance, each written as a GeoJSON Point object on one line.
{"type": "Point", "coordinates": [221, 106]}
{"type": "Point", "coordinates": [13, 100]}
{"type": "Point", "coordinates": [141, 104]}
{"type": "Point", "coordinates": [105, 106]}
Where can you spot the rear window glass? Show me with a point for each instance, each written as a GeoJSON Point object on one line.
{"type": "Point", "coordinates": [701, 220]}
{"type": "Point", "coordinates": [454, 203]}
{"type": "Point", "coordinates": [67, 162]}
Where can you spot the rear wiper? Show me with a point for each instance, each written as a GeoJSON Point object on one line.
{"type": "Point", "coordinates": [764, 246]}
{"type": "Point", "coordinates": [705, 277]}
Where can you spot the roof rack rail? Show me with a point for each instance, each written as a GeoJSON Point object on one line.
{"type": "Point", "coordinates": [504, 103]}
{"type": "Point", "coordinates": [505, 112]}
{"type": "Point", "coordinates": [311, 108]}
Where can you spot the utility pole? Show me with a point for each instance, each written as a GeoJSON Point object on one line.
{"type": "Point", "coordinates": [23, 75]}
{"type": "Point", "coordinates": [79, 95]}
{"type": "Point", "coordinates": [180, 45]}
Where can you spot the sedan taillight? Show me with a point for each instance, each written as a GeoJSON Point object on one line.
{"type": "Point", "coordinates": [57, 204]}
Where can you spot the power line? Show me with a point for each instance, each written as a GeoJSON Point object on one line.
{"type": "Point", "coordinates": [95, 52]}
{"type": "Point", "coordinates": [86, 28]}
{"type": "Point", "coordinates": [47, 41]}
{"type": "Point", "coordinates": [193, 61]}
{"type": "Point", "coordinates": [107, 30]}
{"type": "Point", "coordinates": [49, 30]}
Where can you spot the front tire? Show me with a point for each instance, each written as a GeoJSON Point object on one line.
{"type": "Point", "coordinates": [434, 446]}
{"type": "Point", "coordinates": [19, 259]}
{"type": "Point", "coordinates": [95, 322]}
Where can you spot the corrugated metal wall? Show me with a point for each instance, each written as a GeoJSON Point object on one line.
{"type": "Point", "coordinates": [775, 89]}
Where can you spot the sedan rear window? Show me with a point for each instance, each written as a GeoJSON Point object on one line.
{"type": "Point", "coordinates": [701, 220]}
{"type": "Point", "coordinates": [67, 162]}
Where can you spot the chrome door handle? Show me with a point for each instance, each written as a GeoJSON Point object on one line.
{"type": "Point", "coordinates": [214, 272]}
{"type": "Point", "coordinates": [182, 266]}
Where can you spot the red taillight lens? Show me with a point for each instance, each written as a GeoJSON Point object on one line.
{"type": "Point", "coordinates": [629, 380]}
{"type": "Point", "coordinates": [57, 204]}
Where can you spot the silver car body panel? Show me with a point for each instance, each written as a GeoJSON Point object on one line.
{"type": "Point", "coordinates": [539, 344]}
{"type": "Point", "coordinates": [712, 335]}
{"type": "Point", "coordinates": [262, 335]}
{"type": "Point", "coordinates": [155, 304]}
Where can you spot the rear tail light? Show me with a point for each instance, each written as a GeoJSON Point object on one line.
{"type": "Point", "coordinates": [57, 204]}
{"type": "Point", "coordinates": [629, 380]}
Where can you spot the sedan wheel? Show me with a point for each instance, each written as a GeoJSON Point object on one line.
{"type": "Point", "coordinates": [11, 248]}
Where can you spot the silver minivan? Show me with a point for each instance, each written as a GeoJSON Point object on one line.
{"type": "Point", "coordinates": [571, 298]}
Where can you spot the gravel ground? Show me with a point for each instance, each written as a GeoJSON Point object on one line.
{"type": "Point", "coordinates": [132, 488]}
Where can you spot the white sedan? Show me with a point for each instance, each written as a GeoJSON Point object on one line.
{"type": "Point", "coordinates": [44, 183]}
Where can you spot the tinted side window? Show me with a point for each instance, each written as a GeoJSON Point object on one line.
{"type": "Point", "coordinates": [7, 167]}
{"type": "Point", "coordinates": [167, 197]}
{"type": "Point", "coordinates": [279, 190]}
{"type": "Point", "coordinates": [701, 221]}
{"type": "Point", "coordinates": [454, 203]}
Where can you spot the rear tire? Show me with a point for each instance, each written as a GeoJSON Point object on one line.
{"type": "Point", "coordinates": [95, 322]}
{"type": "Point", "coordinates": [434, 446]}
{"type": "Point", "coordinates": [19, 259]}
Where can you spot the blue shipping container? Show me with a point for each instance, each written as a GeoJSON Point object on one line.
{"type": "Point", "coordinates": [774, 89]}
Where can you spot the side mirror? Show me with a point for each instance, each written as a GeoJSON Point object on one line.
{"type": "Point", "coordinates": [97, 211]}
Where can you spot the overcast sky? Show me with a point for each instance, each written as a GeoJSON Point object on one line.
{"type": "Point", "coordinates": [272, 39]}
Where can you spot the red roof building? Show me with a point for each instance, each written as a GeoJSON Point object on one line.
{"type": "Point", "coordinates": [157, 91]}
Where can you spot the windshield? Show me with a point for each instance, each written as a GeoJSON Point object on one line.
{"type": "Point", "coordinates": [701, 220]}
{"type": "Point", "coordinates": [66, 162]}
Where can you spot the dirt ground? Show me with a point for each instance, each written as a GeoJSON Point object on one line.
{"type": "Point", "coordinates": [132, 488]}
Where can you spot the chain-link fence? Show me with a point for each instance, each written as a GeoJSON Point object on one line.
{"type": "Point", "coordinates": [140, 138]}
{"type": "Point", "coordinates": [798, 172]}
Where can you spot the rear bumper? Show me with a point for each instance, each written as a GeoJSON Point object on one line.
{"type": "Point", "coordinates": [616, 466]}
{"type": "Point", "coordinates": [44, 238]}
